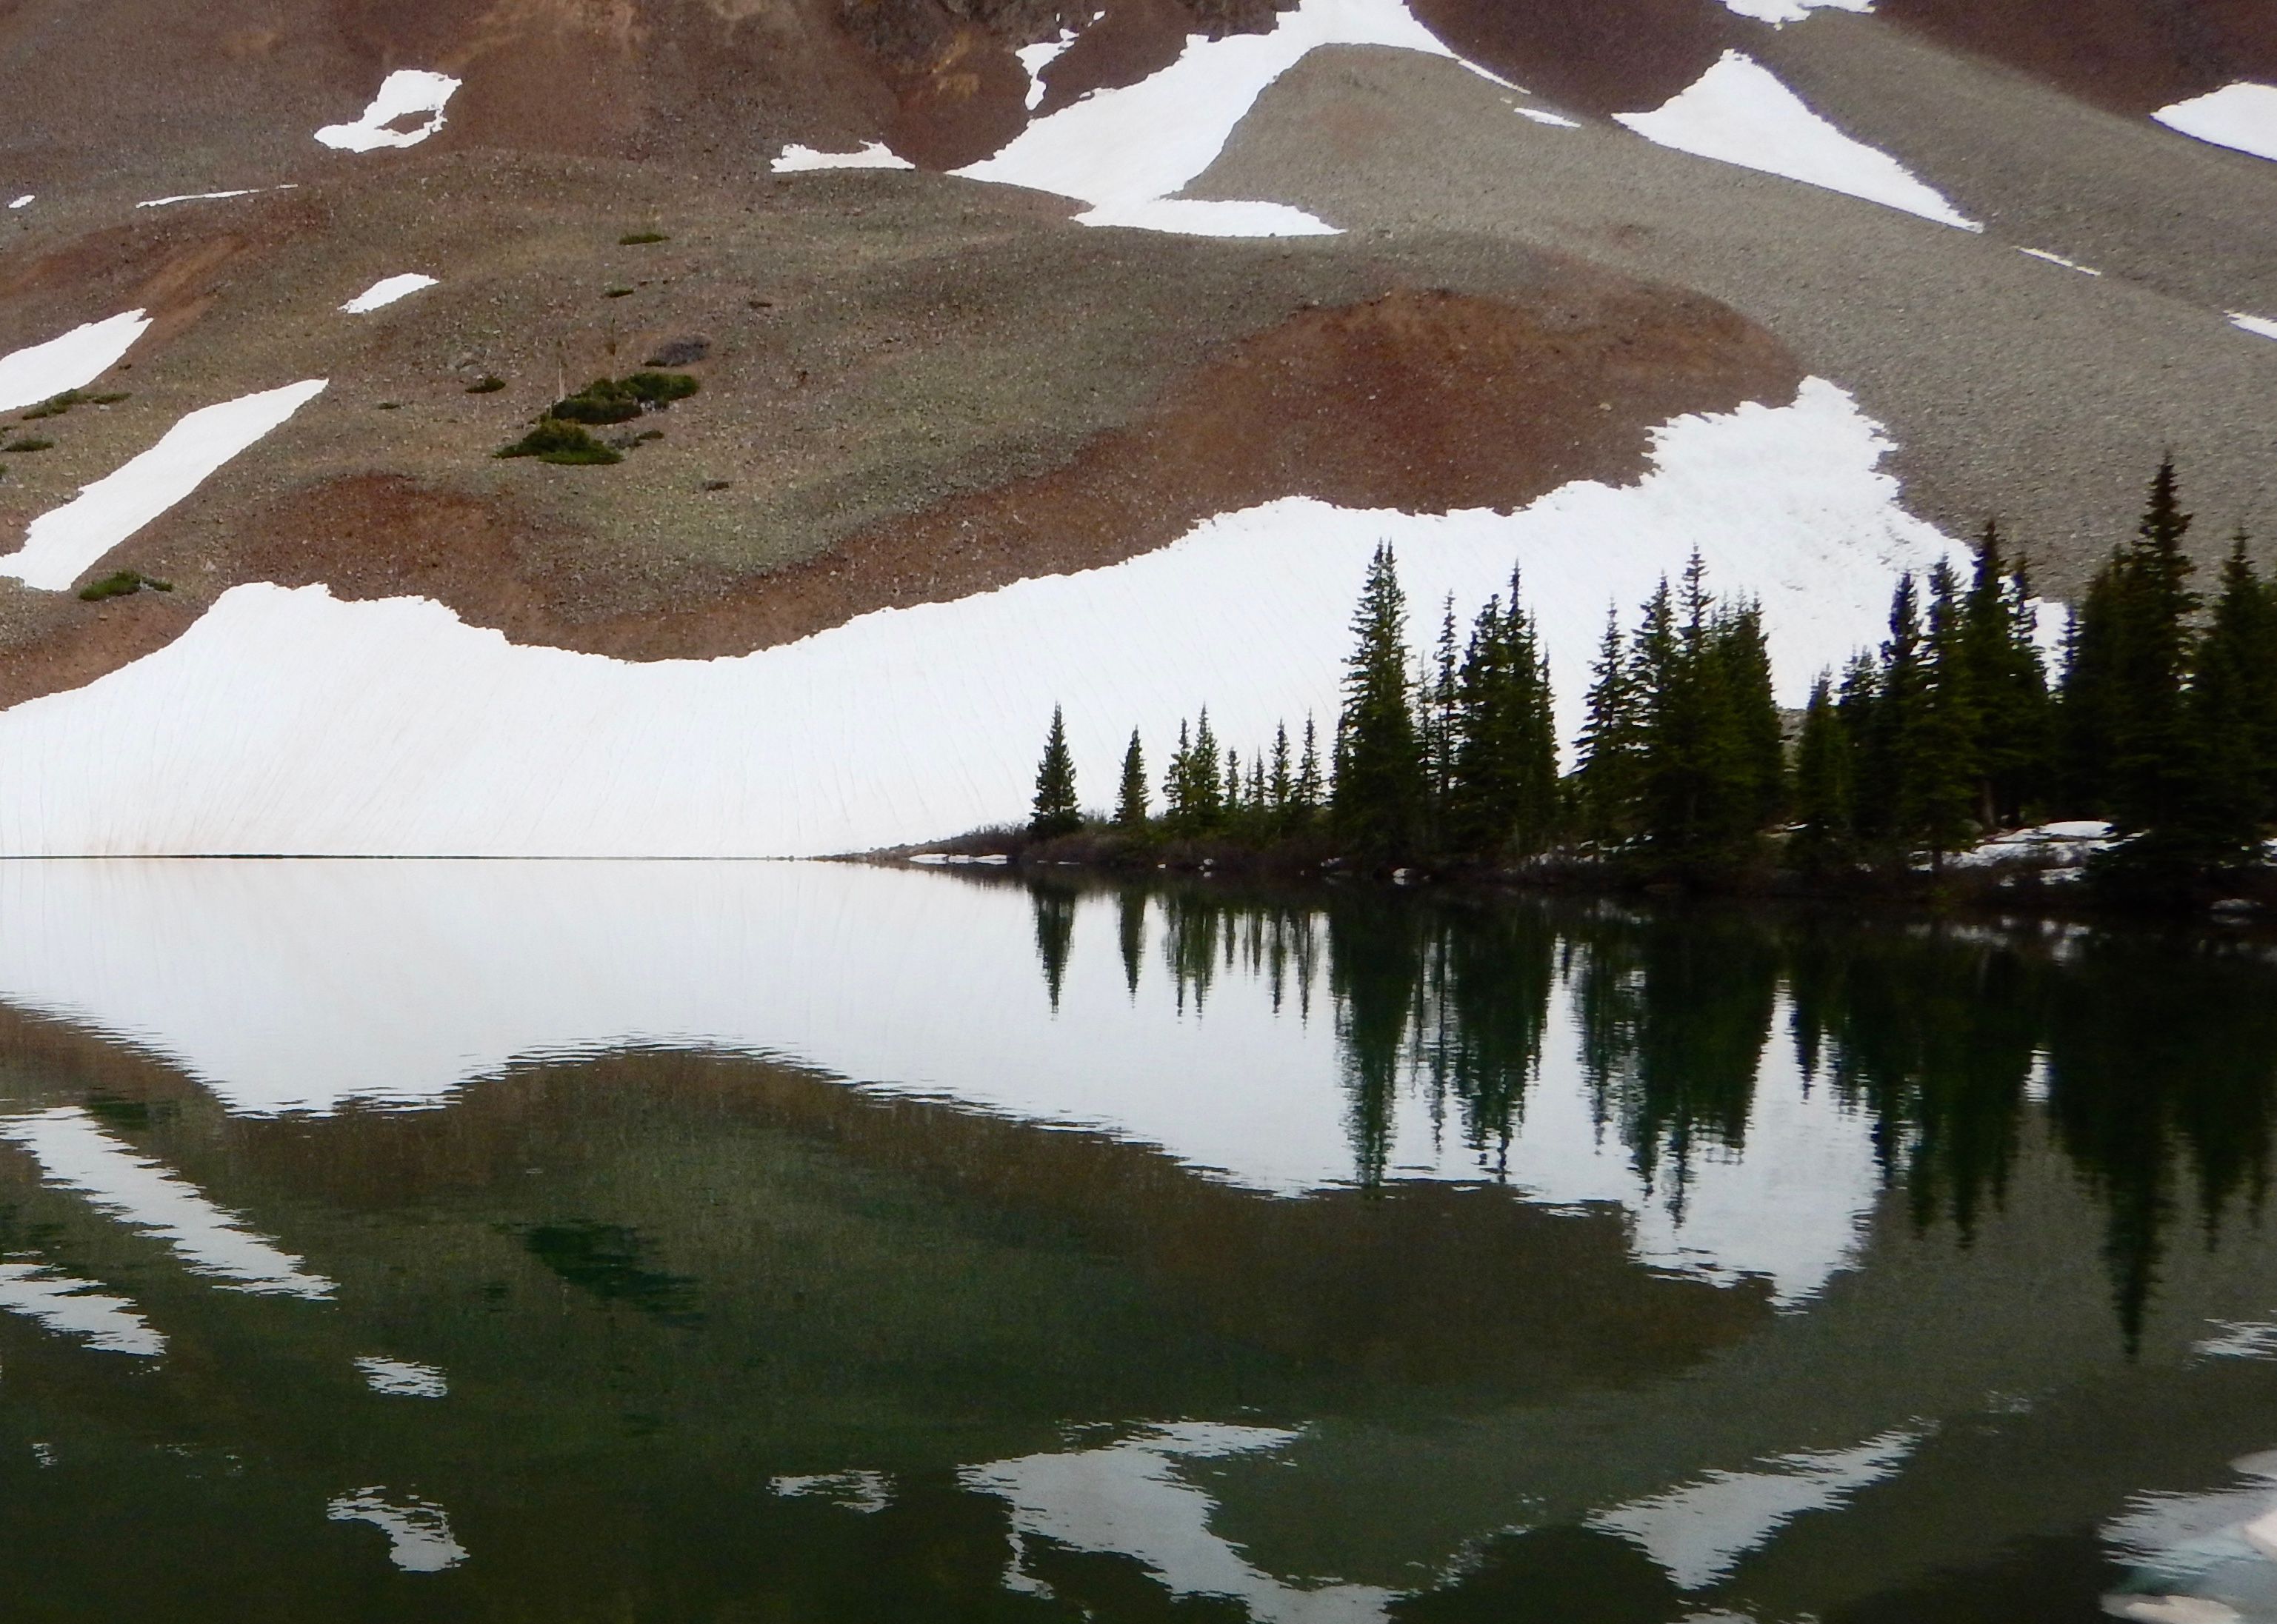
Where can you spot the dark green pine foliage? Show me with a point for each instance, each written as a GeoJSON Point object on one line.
{"type": "Point", "coordinates": [1177, 782]}
{"type": "Point", "coordinates": [1308, 792]}
{"type": "Point", "coordinates": [1206, 793]}
{"type": "Point", "coordinates": [1378, 798]}
{"type": "Point", "coordinates": [1131, 803]}
{"type": "Point", "coordinates": [2008, 683]}
{"type": "Point", "coordinates": [2233, 709]}
{"type": "Point", "coordinates": [1606, 783]}
{"type": "Point", "coordinates": [1281, 788]}
{"type": "Point", "coordinates": [1055, 812]}
{"type": "Point", "coordinates": [1706, 783]}
{"type": "Point", "coordinates": [1887, 722]}
{"type": "Point", "coordinates": [1823, 772]}
{"type": "Point", "coordinates": [1938, 751]}
{"type": "Point", "coordinates": [2154, 778]}
{"type": "Point", "coordinates": [1503, 796]}
{"type": "Point", "coordinates": [2087, 708]}
{"type": "Point", "coordinates": [1438, 724]}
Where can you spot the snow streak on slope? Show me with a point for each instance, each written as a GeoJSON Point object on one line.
{"type": "Point", "coordinates": [404, 94]}
{"type": "Point", "coordinates": [2263, 325]}
{"type": "Point", "coordinates": [287, 722]}
{"type": "Point", "coordinates": [24, 201]}
{"type": "Point", "coordinates": [795, 159]}
{"type": "Point", "coordinates": [283, 987]}
{"type": "Point", "coordinates": [75, 1153]}
{"type": "Point", "coordinates": [1126, 151]}
{"type": "Point", "coordinates": [386, 291]}
{"type": "Point", "coordinates": [37, 371]}
{"type": "Point", "coordinates": [76, 1308]}
{"type": "Point", "coordinates": [2239, 116]}
{"type": "Point", "coordinates": [1739, 113]}
{"type": "Point", "coordinates": [62, 542]}
{"type": "Point", "coordinates": [1778, 12]}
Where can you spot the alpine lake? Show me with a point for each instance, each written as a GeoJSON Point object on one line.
{"type": "Point", "coordinates": [753, 1242]}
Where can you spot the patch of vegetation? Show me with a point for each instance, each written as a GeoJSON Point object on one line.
{"type": "Point", "coordinates": [390, 405]}
{"type": "Point", "coordinates": [620, 400]}
{"type": "Point", "coordinates": [680, 351]}
{"type": "Point", "coordinates": [122, 583]}
{"type": "Point", "coordinates": [717, 484]}
{"type": "Point", "coordinates": [26, 443]}
{"type": "Point", "coordinates": [616, 292]}
{"type": "Point", "coordinates": [55, 406]}
{"type": "Point", "coordinates": [565, 444]}
{"type": "Point", "coordinates": [489, 384]}
{"type": "Point", "coordinates": [634, 239]}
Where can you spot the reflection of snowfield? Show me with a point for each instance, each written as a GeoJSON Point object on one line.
{"type": "Point", "coordinates": [287, 722]}
{"type": "Point", "coordinates": [2201, 1558]}
{"type": "Point", "coordinates": [302, 986]}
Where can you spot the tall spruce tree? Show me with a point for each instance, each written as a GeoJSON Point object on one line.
{"type": "Point", "coordinates": [1379, 796]}
{"type": "Point", "coordinates": [2008, 682]}
{"type": "Point", "coordinates": [2154, 779]}
{"type": "Point", "coordinates": [1205, 788]}
{"type": "Point", "coordinates": [1823, 773]}
{"type": "Point", "coordinates": [1283, 783]}
{"type": "Point", "coordinates": [1502, 795]}
{"type": "Point", "coordinates": [1606, 783]}
{"type": "Point", "coordinates": [1309, 792]}
{"type": "Point", "coordinates": [1758, 736]}
{"type": "Point", "coordinates": [1698, 786]}
{"type": "Point", "coordinates": [1131, 803]}
{"type": "Point", "coordinates": [1939, 750]}
{"type": "Point", "coordinates": [1056, 811]}
{"type": "Point", "coordinates": [2232, 710]}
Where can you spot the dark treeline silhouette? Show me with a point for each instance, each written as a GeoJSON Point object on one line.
{"type": "Point", "coordinates": [2149, 1061]}
{"type": "Point", "coordinates": [2161, 720]}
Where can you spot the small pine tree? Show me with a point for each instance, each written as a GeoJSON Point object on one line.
{"type": "Point", "coordinates": [1131, 804]}
{"type": "Point", "coordinates": [1283, 782]}
{"type": "Point", "coordinates": [1309, 792]}
{"type": "Point", "coordinates": [1503, 794]}
{"type": "Point", "coordinates": [1942, 771]}
{"type": "Point", "coordinates": [2233, 711]}
{"type": "Point", "coordinates": [1177, 783]}
{"type": "Point", "coordinates": [1056, 812]}
{"type": "Point", "coordinates": [1822, 778]}
{"type": "Point", "coordinates": [1612, 744]}
{"type": "Point", "coordinates": [2008, 684]}
{"type": "Point", "coordinates": [1207, 791]}
{"type": "Point", "coordinates": [1379, 797]}
{"type": "Point", "coordinates": [2153, 776]}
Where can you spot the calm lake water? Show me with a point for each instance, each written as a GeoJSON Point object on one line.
{"type": "Point", "coordinates": [569, 1242]}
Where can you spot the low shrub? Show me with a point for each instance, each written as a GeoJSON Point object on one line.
{"type": "Point", "coordinates": [616, 292]}
{"type": "Point", "coordinates": [26, 443]}
{"type": "Point", "coordinates": [55, 406]}
{"type": "Point", "coordinates": [489, 384]}
{"type": "Point", "coordinates": [634, 239]}
{"type": "Point", "coordinates": [566, 445]}
{"type": "Point", "coordinates": [122, 583]}
{"type": "Point", "coordinates": [620, 400]}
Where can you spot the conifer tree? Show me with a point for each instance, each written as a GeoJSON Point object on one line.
{"type": "Point", "coordinates": [1758, 738]}
{"type": "Point", "coordinates": [1055, 812]}
{"type": "Point", "coordinates": [1233, 781]}
{"type": "Point", "coordinates": [1937, 750]}
{"type": "Point", "coordinates": [1283, 781]}
{"type": "Point", "coordinates": [1504, 786]}
{"type": "Point", "coordinates": [1893, 726]}
{"type": "Point", "coordinates": [2153, 773]}
{"type": "Point", "coordinates": [1309, 792]}
{"type": "Point", "coordinates": [1437, 722]}
{"type": "Point", "coordinates": [1130, 805]}
{"type": "Point", "coordinates": [2008, 683]}
{"type": "Point", "coordinates": [1691, 780]}
{"type": "Point", "coordinates": [1204, 790]}
{"type": "Point", "coordinates": [1378, 798]}
{"type": "Point", "coordinates": [1611, 743]}
{"type": "Point", "coordinates": [1822, 769]}
{"type": "Point", "coordinates": [2233, 712]}
{"type": "Point", "coordinates": [1178, 784]}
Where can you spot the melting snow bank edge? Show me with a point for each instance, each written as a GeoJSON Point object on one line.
{"type": "Point", "coordinates": [287, 722]}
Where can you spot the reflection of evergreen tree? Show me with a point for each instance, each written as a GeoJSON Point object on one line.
{"type": "Point", "coordinates": [1055, 933]}
{"type": "Point", "coordinates": [1376, 963]}
{"type": "Point", "coordinates": [2160, 1055]}
{"type": "Point", "coordinates": [1500, 964]}
{"type": "Point", "coordinates": [1131, 934]}
{"type": "Point", "coordinates": [1190, 929]}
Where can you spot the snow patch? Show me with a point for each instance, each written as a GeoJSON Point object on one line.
{"type": "Point", "coordinates": [418, 1531]}
{"type": "Point", "coordinates": [285, 721]}
{"type": "Point", "coordinates": [62, 542]}
{"type": "Point", "coordinates": [402, 1379]}
{"type": "Point", "coordinates": [77, 1155]}
{"type": "Point", "coordinates": [1123, 151]}
{"type": "Point", "coordinates": [2242, 115]}
{"type": "Point", "coordinates": [38, 371]}
{"type": "Point", "coordinates": [2058, 258]}
{"type": "Point", "coordinates": [386, 291]}
{"type": "Point", "coordinates": [1699, 1531]}
{"type": "Point", "coordinates": [209, 197]}
{"type": "Point", "coordinates": [1778, 13]}
{"type": "Point", "coordinates": [1739, 113]}
{"type": "Point", "coordinates": [796, 159]}
{"type": "Point", "coordinates": [1129, 1499]}
{"type": "Point", "coordinates": [2266, 326]}
{"type": "Point", "coordinates": [1555, 120]}
{"type": "Point", "coordinates": [24, 201]}
{"type": "Point", "coordinates": [79, 1308]}
{"type": "Point", "coordinates": [404, 94]}
{"type": "Point", "coordinates": [1035, 58]}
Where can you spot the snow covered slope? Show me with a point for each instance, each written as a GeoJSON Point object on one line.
{"type": "Point", "coordinates": [76, 358]}
{"type": "Point", "coordinates": [290, 722]}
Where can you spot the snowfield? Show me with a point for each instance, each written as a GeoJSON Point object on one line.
{"type": "Point", "coordinates": [61, 543]}
{"type": "Point", "coordinates": [39, 371]}
{"type": "Point", "coordinates": [404, 94]}
{"type": "Point", "coordinates": [282, 987]}
{"type": "Point", "coordinates": [1779, 12]}
{"type": "Point", "coordinates": [2264, 326]}
{"type": "Point", "coordinates": [1125, 152]}
{"type": "Point", "coordinates": [1739, 113]}
{"type": "Point", "coordinates": [289, 722]}
{"type": "Point", "coordinates": [796, 159]}
{"type": "Point", "coordinates": [2244, 117]}
{"type": "Point", "coordinates": [386, 291]}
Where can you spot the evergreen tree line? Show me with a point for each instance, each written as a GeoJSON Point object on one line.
{"type": "Point", "coordinates": [2161, 718]}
